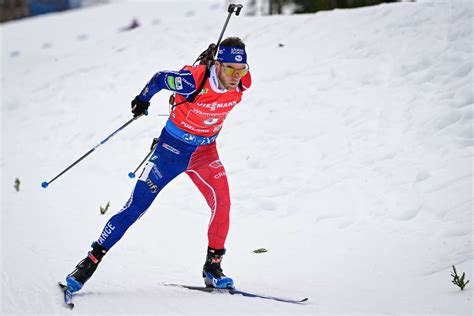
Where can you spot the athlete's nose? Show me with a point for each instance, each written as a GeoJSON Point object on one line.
{"type": "Point", "coordinates": [236, 75]}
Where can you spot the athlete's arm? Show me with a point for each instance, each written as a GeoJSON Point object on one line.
{"type": "Point", "coordinates": [181, 82]}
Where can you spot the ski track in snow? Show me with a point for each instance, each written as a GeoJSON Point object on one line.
{"type": "Point", "coordinates": [350, 160]}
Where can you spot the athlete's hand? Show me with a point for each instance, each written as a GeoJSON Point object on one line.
{"type": "Point", "coordinates": [139, 107]}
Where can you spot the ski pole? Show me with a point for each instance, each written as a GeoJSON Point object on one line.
{"type": "Point", "coordinates": [231, 9]}
{"type": "Point", "coordinates": [131, 175]}
{"type": "Point", "coordinates": [46, 183]}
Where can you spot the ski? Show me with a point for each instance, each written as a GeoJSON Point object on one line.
{"type": "Point", "coordinates": [67, 295]}
{"type": "Point", "coordinates": [237, 292]}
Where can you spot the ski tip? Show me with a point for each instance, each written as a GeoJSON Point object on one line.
{"type": "Point", "coordinates": [67, 295]}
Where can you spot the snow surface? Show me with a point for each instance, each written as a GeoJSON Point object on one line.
{"type": "Point", "coordinates": [350, 160]}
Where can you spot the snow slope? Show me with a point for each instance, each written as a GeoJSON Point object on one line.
{"type": "Point", "coordinates": [350, 160]}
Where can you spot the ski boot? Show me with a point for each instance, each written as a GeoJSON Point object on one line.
{"type": "Point", "coordinates": [212, 271]}
{"type": "Point", "coordinates": [85, 268]}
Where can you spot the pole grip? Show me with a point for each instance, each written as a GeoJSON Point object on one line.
{"type": "Point", "coordinates": [235, 8]}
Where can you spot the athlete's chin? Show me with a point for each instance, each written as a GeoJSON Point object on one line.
{"type": "Point", "coordinates": [231, 86]}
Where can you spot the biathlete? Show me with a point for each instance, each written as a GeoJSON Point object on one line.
{"type": "Point", "coordinates": [203, 97]}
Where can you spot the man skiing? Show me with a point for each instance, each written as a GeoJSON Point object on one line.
{"type": "Point", "coordinates": [203, 97]}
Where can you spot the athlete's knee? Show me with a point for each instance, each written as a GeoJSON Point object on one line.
{"type": "Point", "coordinates": [128, 215]}
{"type": "Point", "coordinates": [224, 205]}
{"type": "Point", "coordinates": [222, 211]}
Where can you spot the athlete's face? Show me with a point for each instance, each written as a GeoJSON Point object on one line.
{"type": "Point", "coordinates": [229, 74]}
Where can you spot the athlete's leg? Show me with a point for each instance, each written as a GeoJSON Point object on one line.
{"type": "Point", "coordinates": [208, 173]}
{"type": "Point", "coordinates": [169, 159]}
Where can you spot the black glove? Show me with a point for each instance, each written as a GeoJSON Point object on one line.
{"type": "Point", "coordinates": [139, 107]}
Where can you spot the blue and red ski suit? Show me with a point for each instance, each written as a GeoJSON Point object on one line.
{"type": "Point", "coordinates": [186, 144]}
